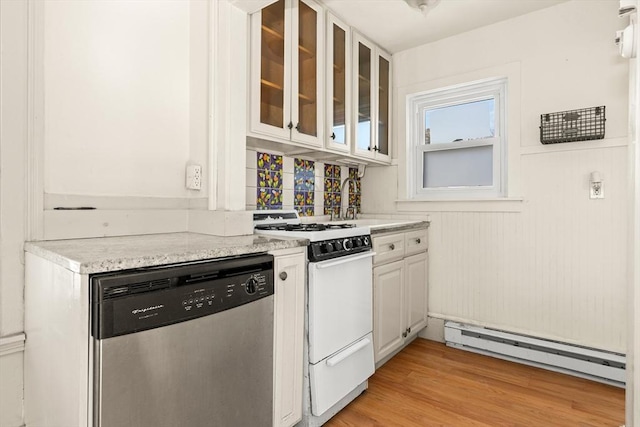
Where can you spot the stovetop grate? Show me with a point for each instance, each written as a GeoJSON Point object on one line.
{"type": "Point", "coordinates": [303, 227]}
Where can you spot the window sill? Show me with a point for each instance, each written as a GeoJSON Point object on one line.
{"type": "Point", "coordinates": [503, 204]}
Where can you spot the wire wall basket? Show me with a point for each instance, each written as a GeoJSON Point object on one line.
{"type": "Point", "coordinates": [572, 125]}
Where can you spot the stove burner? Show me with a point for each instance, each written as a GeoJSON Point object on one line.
{"type": "Point", "coordinates": [303, 227]}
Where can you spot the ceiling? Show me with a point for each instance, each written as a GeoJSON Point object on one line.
{"type": "Point", "coordinates": [395, 26]}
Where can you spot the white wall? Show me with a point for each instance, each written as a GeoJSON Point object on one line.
{"type": "Point", "coordinates": [548, 262]}
{"type": "Point", "coordinates": [117, 86]}
{"type": "Point", "coordinates": [13, 135]}
{"type": "Point", "coordinates": [132, 93]}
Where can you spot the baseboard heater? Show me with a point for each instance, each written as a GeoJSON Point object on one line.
{"type": "Point", "coordinates": [574, 360]}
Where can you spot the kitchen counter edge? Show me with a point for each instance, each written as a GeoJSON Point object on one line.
{"type": "Point", "coordinates": [398, 227]}
{"type": "Point", "coordinates": [105, 254]}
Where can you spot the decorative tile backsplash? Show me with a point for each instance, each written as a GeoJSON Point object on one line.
{"type": "Point", "coordinates": [355, 194]}
{"type": "Point", "coordinates": [310, 187]}
{"type": "Point", "coordinates": [304, 181]}
{"type": "Point", "coordinates": [332, 183]}
{"type": "Point", "coordinates": [270, 182]}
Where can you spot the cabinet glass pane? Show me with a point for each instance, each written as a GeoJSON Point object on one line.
{"type": "Point", "coordinates": [307, 78]}
{"type": "Point", "coordinates": [363, 131]}
{"type": "Point", "coordinates": [339, 84]}
{"type": "Point", "coordinates": [272, 65]}
{"type": "Point", "coordinates": [383, 106]}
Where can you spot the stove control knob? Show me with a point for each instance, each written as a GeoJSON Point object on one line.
{"type": "Point", "coordinates": [338, 245]}
{"type": "Point", "coordinates": [328, 247]}
{"type": "Point", "coordinates": [348, 244]}
{"type": "Point", "coordinates": [358, 242]}
{"type": "Point", "coordinates": [251, 286]}
{"type": "Point", "coordinates": [365, 240]}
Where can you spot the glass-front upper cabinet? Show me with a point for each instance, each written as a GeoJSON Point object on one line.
{"type": "Point", "coordinates": [372, 91]}
{"type": "Point", "coordinates": [384, 106]}
{"type": "Point", "coordinates": [287, 48]}
{"type": "Point", "coordinates": [338, 75]}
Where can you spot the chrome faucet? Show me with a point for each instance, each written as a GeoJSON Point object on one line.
{"type": "Point", "coordinates": [345, 212]}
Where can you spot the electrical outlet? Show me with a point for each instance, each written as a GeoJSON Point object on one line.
{"type": "Point", "coordinates": [194, 177]}
{"type": "Point", "coordinates": [596, 190]}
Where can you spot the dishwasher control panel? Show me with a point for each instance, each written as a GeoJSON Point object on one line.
{"type": "Point", "coordinates": [146, 299]}
{"type": "Point", "coordinates": [222, 296]}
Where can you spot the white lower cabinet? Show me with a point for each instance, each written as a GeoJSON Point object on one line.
{"type": "Point", "coordinates": [399, 292]}
{"type": "Point", "coordinates": [388, 301]}
{"type": "Point", "coordinates": [289, 282]}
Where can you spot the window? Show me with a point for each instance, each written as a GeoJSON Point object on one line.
{"type": "Point", "coordinates": [456, 138]}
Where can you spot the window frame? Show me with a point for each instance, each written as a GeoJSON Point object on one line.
{"type": "Point", "coordinates": [419, 103]}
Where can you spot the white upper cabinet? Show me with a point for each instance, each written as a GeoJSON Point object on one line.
{"type": "Point", "coordinates": [287, 66]}
{"type": "Point", "coordinates": [372, 100]}
{"type": "Point", "coordinates": [338, 95]}
{"type": "Point", "coordinates": [316, 82]}
{"type": "Point", "coordinates": [251, 6]}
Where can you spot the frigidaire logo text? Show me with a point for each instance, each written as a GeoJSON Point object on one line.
{"type": "Point", "coordinates": [144, 310]}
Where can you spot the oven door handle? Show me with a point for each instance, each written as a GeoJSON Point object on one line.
{"type": "Point", "coordinates": [333, 361]}
{"type": "Point", "coordinates": [344, 260]}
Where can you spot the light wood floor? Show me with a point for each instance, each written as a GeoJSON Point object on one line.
{"type": "Point", "coordinates": [430, 384]}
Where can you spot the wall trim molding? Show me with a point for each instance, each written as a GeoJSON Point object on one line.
{"type": "Point", "coordinates": [582, 145]}
{"type": "Point", "coordinates": [213, 110]}
{"type": "Point", "coordinates": [52, 201]}
{"type": "Point", "coordinates": [34, 229]}
{"type": "Point", "coordinates": [12, 344]}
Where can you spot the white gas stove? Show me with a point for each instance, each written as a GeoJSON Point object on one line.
{"type": "Point", "coordinates": [339, 317]}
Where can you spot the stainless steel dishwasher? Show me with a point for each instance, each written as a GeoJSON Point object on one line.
{"type": "Point", "coordinates": [186, 345]}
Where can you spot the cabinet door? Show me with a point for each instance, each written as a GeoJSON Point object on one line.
{"type": "Point", "coordinates": [271, 70]}
{"type": "Point", "coordinates": [383, 132]}
{"type": "Point", "coordinates": [308, 67]}
{"type": "Point", "coordinates": [365, 94]}
{"type": "Point", "coordinates": [289, 275]}
{"type": "Point", "coordinates": [388, 305]}
{"type": "Point", "coordinates": [415, 285]}
{"type": "Point", "coordinates": [338, 72]}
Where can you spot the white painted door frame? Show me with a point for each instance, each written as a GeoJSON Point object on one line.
{"type": "Point", "coordinates": [633, 323]}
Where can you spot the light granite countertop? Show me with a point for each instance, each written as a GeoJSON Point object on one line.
{"type": "Point", "coordinates": [380, 226]}
{"type": "Point", "coordinates": [393, 226]}
{"type": "Point", "coordinates": [103, 254]}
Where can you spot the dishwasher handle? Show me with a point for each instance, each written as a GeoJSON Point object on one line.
{"type": "Point", "coordinates": [344, 260]}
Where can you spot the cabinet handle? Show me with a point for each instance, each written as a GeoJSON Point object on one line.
{"type": "Point", "coordinates": [368, 148]}
{"type": "Point", "coordinates": [283, 275]}
{"type": "Point", "coordinates": [408, 330]}
{"type": "Point", "coordinates": [404, 334]}
{"type": "Point", "coordinates": [333, 135]}
{"type": "Point", "coordinates": [418, 241]}
{"type": "Point", "coordinates": [290, 125]}
{"type": "Point", "coordinates": [392, 246]}
{"type": "Point", "coordinates": [376, 148]}
{"type": "Point", "coordinates": [298, 127]}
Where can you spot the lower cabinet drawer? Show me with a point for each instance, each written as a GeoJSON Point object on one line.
{"type": "Point", "coordinates": [388, 248]}
{"type": "Point", "coordinates": [415, 242]}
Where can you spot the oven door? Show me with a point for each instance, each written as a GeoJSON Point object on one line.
{"type": "Point", "coordinates": [340, 303]}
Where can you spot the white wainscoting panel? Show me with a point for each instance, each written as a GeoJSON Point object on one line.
{"type": "Point", "coordinates": [555, 270]}
{"type": "Point", "coordinates": [11, 367]}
